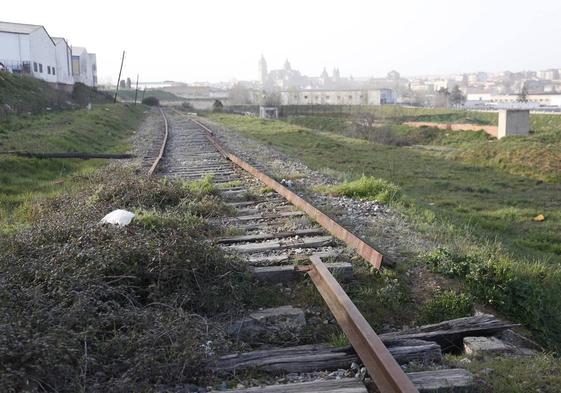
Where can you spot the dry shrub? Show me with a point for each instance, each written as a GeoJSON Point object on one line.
{"type": "Point", "coordinates": [103, 308]}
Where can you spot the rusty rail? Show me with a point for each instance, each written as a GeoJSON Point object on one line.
{"type": "Point", "coordinates": [364, 249]}
{"type": "Point", "coordinates": [382, 367]}
{"type": "Point", "coordinates": [162, 148]}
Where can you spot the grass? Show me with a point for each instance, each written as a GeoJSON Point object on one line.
{"type": "Point", "coordinates": [323, 123]}
{"type": "Point", "coordinates": [367, 187]}
{"type": "Point", "coordinates": [27, 95]}
{"type": "Point", "coordinates": [537, 156]}
{"type": "Point", "coordinates": [446, 305]}
{"type": "Point", "coordinates": [540, 373]}
{"type": "Point", "coordinates": [24, 94]}
{"type": "Point", "coordinates": [105, 128]}
{"type": "Point", "coordinates": [136, 306]}
{"type": "Point", "coordinates": [469, 207]}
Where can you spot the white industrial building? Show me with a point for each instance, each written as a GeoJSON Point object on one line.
{"type": "Point", "coordinates": [29, 49]}
{"type": "Point", "coordinates": [512, 100]}
{"type": "Point", "coordinates": [63, 61]}
{"type": "Point", "coordinates": [338, 97]}
{"type": "Point", "coordinates": [84, 66]}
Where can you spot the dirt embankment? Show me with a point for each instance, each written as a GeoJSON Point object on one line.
{"type": "Point", "coordinates": [491, 130]}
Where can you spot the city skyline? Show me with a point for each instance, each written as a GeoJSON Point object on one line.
{"type": "Point", "coordinates": [202, 42]}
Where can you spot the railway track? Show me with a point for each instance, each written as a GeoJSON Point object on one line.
{"type": "Point", "coordinates": [276, 231]}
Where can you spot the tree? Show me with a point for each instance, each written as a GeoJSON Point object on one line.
{"type": "Point", "coordinates": [271, 99]}
{"type": "Point", "coordinates": [442, 97]}
{"type": "Point", "coordinates": [217, 106]}
{"type": "Point", "coordinates": [457, 97]}
{"type": "Point", "coordinates": [152, 101]}
{"type": "Point", "coordinates": [239, 95]}
{"type": "Point", "coordinates": [129, 83]}
{"type": "Point", "coordinates": [187, 106]}
{"type": "Point", "coordinates": [523, 95]}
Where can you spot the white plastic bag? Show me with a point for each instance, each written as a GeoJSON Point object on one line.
{"type": "Point", "coordinates": [118, 217]}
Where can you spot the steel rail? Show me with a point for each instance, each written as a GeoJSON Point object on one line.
{"type": "Point", "coordinates": [162, 148]}
{"type": "Point", "coordinates": [364, 249]}
{"type": "Point", "coordinates": [382, 367]}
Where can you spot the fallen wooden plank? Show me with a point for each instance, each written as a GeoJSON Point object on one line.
{"type": "Point", "coordinates": [251, 211]}
{"type": "Point", "coordinates": [455, 380]}
{"type": "Point", "coordinates": [345, 385]}
{"type": "Point", "coordinates": [270, 216]}
{"type": "Point", "coordinates": [82, 156]}
{"type": "Point", "coordinates": [242, 204]}
{"type": "Point", "coordinates": [308, 358]}
{"type": "Point", "coordinates": [306, 242]}
{"type": "Point", "coordinates": [287, 273]}
{"type": "Point", "coordinates": [450, 334]}
{"type": "Point", "coordinates": [260, 226]}
{"type": "Point", "coordinates": [276, 259]}
{"type": "Point", "coordinates": [266, 236]}
{"type": "Point", "coordinates": [205, 172]}
{"type": "Point", "coordinates": [439, 381]}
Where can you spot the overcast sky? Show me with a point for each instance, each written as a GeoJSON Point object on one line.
{"type": "Point", "coordinates": [221, 40]}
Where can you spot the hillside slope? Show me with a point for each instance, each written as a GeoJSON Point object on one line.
{"type": "Point", "coordinates": [24, 94]}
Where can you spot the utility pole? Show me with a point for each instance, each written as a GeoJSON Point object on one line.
{"type": "Point", "coordinates": [119, 79]}
{"type": "Point", "coordinates": [136, 91]}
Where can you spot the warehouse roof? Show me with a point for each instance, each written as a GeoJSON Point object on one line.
{"type": "Point", "coordinates": [19, 28]}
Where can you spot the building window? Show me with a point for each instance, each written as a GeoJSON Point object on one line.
{"type": "Point", "coordinates": [49, 70]}
{"type": "Point", "coordinates": [350, 97]}
{"type": "Point", "coordinates": [40, 68]}
{"type": "Point", "coordinates": [306, 97]}
{"type": "Point", "coordinates": [53, 69]}
{"type": "Point", "coordinates": [35, 66]}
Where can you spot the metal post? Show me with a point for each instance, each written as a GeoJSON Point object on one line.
{"type": "Point", "coordinates": [119, 79]}
{"type": "Point", "coordinates": [136, 91]}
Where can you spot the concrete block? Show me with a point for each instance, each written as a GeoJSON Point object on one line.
{"type": "Point", "coordinates": [481, 346]}
{"type": "Point", "coordinates": [513, 122]}
{"type": "Point", "coordinates": [269, 324]}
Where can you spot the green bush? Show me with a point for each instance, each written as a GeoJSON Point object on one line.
{"type": "Point", "coordinates": [368, 187]}
{"type": "Point", "coordinates": [529, 293]}
{"type": "Point", "coordinates": [446, 305]}
{"type": "Point", "coordinates": [84, 95]}
{"type": "Point", "coordinates": [217, 106]}
{"type": "Point", "coordinates": [151, 101]}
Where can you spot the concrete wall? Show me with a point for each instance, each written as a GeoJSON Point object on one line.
{"type": "Point", "coordinates": [513, 122]}
{"type": "Point", "coordinates": [337, 97]}
{"type": "Point", "coordinates": [42, 49]}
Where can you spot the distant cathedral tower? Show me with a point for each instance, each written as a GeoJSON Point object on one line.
{"type": "Point", "coordinates": [262, 70]}
{"type": "Point", "coordinates": [336, 74]}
